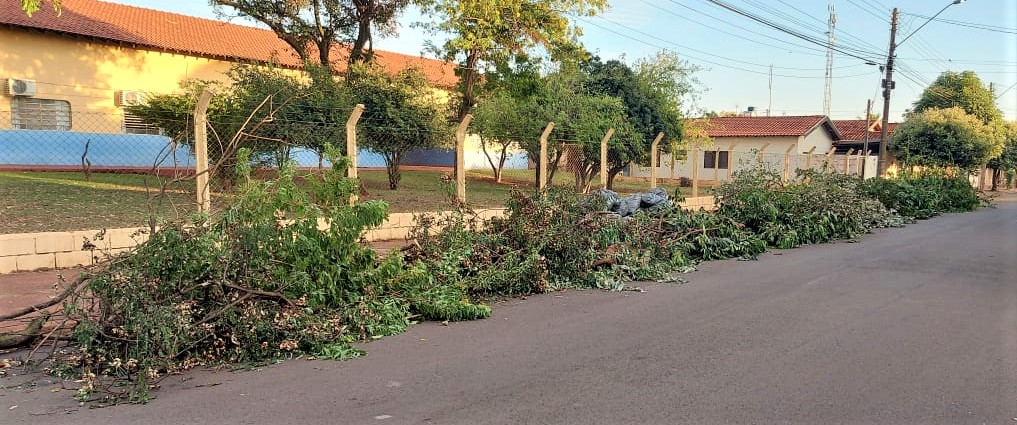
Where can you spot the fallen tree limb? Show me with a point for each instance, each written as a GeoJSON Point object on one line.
{"type": "Point", "coordinates": [32, 331]}
{"type": "Point", "coordinates": [45, 304]}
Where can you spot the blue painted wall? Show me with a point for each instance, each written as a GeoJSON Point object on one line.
{"type": "Point", "coordinates": [39, 147]}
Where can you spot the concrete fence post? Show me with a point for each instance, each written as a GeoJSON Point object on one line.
{"type": "Point", "coordinates": [461, 159]}
{"type": "Point", "coordinates": [829, 159]}
{"type": "Point", "coordinates": [542, 161]}
{"type": "Point", "coordinates": [847, 161]}
{"type": "Point", "coordinates": [204, 200]}
{"type": "Point", "coordinates": [351, 139]}
{"type": "Point", "coordinates": [603, 157]}
{"type": "Point", "coordinates": [808, 158]}
{"type": "Point", "coordinates": [694, 160]}
{"type": "Point", "coordinates": [787, 163]}
{"type": "Point", "coordinates": [730, 158]}
{"type": "Point", "coordinates": [655, 159]}
{"type": "Point", "coordinates": [761, 150]}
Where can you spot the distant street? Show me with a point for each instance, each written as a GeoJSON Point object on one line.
{"type": "Point", "coordinates": [909, 326]}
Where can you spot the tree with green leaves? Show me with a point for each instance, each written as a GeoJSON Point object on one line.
{"type": "Point", "coordinates": [583, 117]}
{"type": "Point", "coordinates": [32, 6]}
{"type": "Point", "coordinates": [963, 90]}
{"type": "Point", "coordinates": [321, 24]}
{"type": "Point", "coordinates": [401, 114]}
{"type": "Point", "coordinates": [486, 32]}
{"type": "Point", "coordinates": [946, 138]}
{"type": "Point", "coordinates": [652, 94]}
{"type": "Point", "coordinates": [504, 122]}
{"type": "Point", "coordinates": [262, 109]}
{"type": "Point", "coordinates": [1006, 161]}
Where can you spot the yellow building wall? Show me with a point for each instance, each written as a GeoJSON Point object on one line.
{"type": "Point", "coordinates": [87, 74]}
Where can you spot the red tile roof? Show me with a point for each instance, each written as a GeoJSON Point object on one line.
{"type": "Point", "coordinates": [190, 35]}
{"type": "Point", "coordinates": [855, 129]}
{"type": "Point", "coordinates": [766, 126]}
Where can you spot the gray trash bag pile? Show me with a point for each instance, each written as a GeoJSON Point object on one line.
{"type": "Point", "coordinates": [655, 200]}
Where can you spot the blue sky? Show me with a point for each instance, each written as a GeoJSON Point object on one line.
{"type": "Point", "coordinates": [735, 53]}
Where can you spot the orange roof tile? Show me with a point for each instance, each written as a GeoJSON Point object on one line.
{"type": "Point", "coordinates": [766, 126]}
{"type": "Point", "coordinates": [855, 129]}
{"type": "Point", "coordinates": [191, 35]}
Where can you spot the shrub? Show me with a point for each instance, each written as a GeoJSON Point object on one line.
{"type": "Point", "coordinates": [281, 272]}
{"type": "Point", "coordinates": [925, 194]}
{"type": "Point", "coordinates": [811, 208]}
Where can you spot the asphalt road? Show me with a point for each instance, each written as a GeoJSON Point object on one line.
{"type": "Point", "coordinates": [910, 326]}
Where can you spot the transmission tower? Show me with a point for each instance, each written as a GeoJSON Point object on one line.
{"type": "Point", "coordinates": [829, 63]}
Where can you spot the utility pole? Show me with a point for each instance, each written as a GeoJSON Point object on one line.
{"type": "Point", "coordinates": [769, 106]}
{"type": "Point", "coordinates": [887, 88]}
{"type": "Point", "coordinates": [829, 63]}
{"type": "Point", "coordinates": [865, 144]}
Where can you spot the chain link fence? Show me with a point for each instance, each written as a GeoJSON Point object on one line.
{"type": "Point", "coordinates": [109, 170]}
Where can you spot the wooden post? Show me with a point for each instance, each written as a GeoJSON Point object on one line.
{"type": "Point", "coordinates": [787, 163]}
{"type": "Point", "coordinates": [542, 161]}
{"type": "Point", "coordinates": [654, 159]}
{"type": "Point", "coordinates": [847, 161]}
{"type": "Point", "coordinates": [808, 158]}
{"type": "Point", "coordinates": [695, 170]}
{"type": "Point", "coordinates": [829, 159]}
{"type": "Point", "coordinates": [603, 158]}
{"type": "Point", "coordinates": [730, 158]}
{"type": "Point", "coordinates": [351, 139]}
{"type": "Point", "coordinates": [460, 158]}
{"type": "Point", "coordinates": [204, 200]}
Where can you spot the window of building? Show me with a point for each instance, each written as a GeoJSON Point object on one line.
{"type": "Point", "coordinates": [133, 124]}
{"type": "Point", "coordinates": [32, 113]}
{"type": "Point", "coordinates": [712, 160]}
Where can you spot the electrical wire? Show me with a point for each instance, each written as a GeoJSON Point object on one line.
{"type": "Point", "coordinates": [984, 27]}
{"type": "Point", "coordinates": [630, 37]}
{"type": "Point", "coordinates": [784, 29]}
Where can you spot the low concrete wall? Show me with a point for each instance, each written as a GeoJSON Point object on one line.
{"type": "Point", "coordinates": [49, 250]}
{"type": "Point", "coordinates": [707, 203]}
{"type": "Point", "coordinates": [57, 250]}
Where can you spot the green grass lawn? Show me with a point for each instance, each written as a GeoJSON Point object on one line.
{"type": "Point", "coordinates": [59, 201]}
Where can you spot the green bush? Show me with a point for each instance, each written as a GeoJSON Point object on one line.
{"type": "Point", "coordinates": [811, 208]}
{"type": "Point", "coordinates": [280, 273]}
{"type": "Point", "coordinates": [924, 195]}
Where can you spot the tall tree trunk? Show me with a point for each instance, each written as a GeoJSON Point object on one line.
{"type": "Point", "coordinates": [501, 163]}
{"type": "Point", "coordinates": [494, 168]}
{"type": "Point", "coordinates": [363, 46]}
{"type": "Point", "coordinates": [392, 161]}
{"type": "Point", "coordinates": [611, 174]}
{"type": "Point", "coordinates": [322, 38]}
{"type": "Point", "coordinates": [469, 81]}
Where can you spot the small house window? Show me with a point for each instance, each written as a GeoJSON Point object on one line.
{"type": "Point", "coordinates": [134, 124]}
{"type": "Point", "coordinates": [711, 159]}
{"type": "Point", "coordinates": [31, 113]}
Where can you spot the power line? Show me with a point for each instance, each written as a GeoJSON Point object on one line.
{"type": "Point", "coordinates": [866, 10]}
{"type": "Point", "coordinates": [820, 31]}
{"type": "Point", "coordinates": [792, 32]}
{"type": "Point", "coordinates": [728, 23]}
{"type": "Point", "coordinates": [974, 25]}
{"type": "Point", "coordinates": [701, 51]}
{"type": "Point", "coordinates": [630, 37]}
{"type": "Point", "coordinates": [1004, 91]}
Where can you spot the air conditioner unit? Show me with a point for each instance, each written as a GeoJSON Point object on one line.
{"type": "Point", "coordinates": [128, 98]}
{"type": "Point", "coordinates": [19, 87]}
